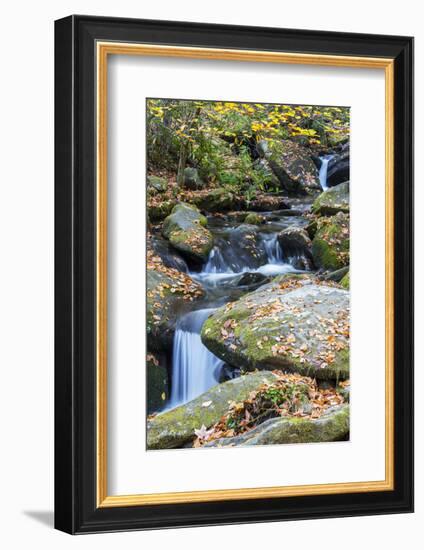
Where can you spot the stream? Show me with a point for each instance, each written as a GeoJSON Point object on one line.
{"type": "Point", "coordinates": [228, 274]}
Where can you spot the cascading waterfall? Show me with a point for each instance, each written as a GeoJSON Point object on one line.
{"type": "Point", "coordinates": [273, 249]}
{"type": "Point", "coordinates": [323, 171]}
{"type": "Point", "coordinates": [194, 368]}
{"type": "Point", "coordinates": [219, 269]}
{"type": "Point", "coordinates": [216, 262]}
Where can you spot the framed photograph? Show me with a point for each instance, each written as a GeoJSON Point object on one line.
{"type": "Point", "coordinates": [234, 265]}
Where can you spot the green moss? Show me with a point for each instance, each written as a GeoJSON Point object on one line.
{"type": "Point", "coordinates": [330, 247]}
{"type": "Point", "coordinates": [185, 228]}
{"type": "Point", "coordinates": [345, 282]}
{"type": "Point", "coordinates": [176, 427]}
{"type": "Point", "coordinates": [256, 332]}
{"type": "Point", "coordinates": [158, 212]}
{"type": "Point", "coordinates": [254, 219]}
{"type": "Point", "coordinates": [332, 201]}
{"type": "Point", "coordinates": [156, 184]}
{"type": "Point", "coordinates": [333, 425]}
{"type": "Point", "coordinates": [216, 200]}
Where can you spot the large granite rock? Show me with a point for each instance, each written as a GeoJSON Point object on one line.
{"type": "Point", "coordinates": [332, 201]}
{"type": "Point", "coordinates": [292, 324]}
{"type": "Point", "coordinates": [330, 246]}
{"type": "Point", "coordinates": [185, 228]}
{"type": "Point", "coordinates": [333, 425]}
{"type": "Point", "coordinates": [176, 427]}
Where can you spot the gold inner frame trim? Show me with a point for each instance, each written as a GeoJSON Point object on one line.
{"type": "Point", "coordinates": [103, 50]}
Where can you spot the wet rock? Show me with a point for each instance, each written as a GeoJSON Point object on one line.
{"type": "Point", "coordinates": [297, 247]}
{"type": "Point", "coordinates": [330, 246]}
{"type": "Point", "coordinates": [228, 373]}
{"type": "Point", "coordinates": [295, 239]}
{"type": "Point", "coordinates": [246, 245]}
{"type": "Point", "coordinates": [332, 201]}
{"type": "Point", "coordinates": [285, 324]}
{"type": "Point", "coordinates": [252, 280]}
{"type": "Point", "coordinates": [339, 167]}
{"type": "Point", "coordinates": [185, 228]}
{"type": "Point", "coordinates": [333, 425]}
{"type": "Point", "coordinates": [287, 212]}
{"type": "Point", "coordinates": [176, 427]}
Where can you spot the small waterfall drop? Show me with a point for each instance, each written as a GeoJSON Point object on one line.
{"type": "Point", "coordinates": [273, 249]}
{"type": "Point", "coordinates": [323, 171]}
{"type": "Point", "coordinates": [194, 368]}
{"type": "Point", "coordinates": [216, 262]}
{"type": "Point", "coordinates": [221, 268]}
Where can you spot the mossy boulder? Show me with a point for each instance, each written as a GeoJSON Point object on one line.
{"type": "Point", "coordinates": [159, 209]}
{"type": "Point", "coordinates": [157, 382]}
{"type": "Point", "coordinates": [156, 184]}
{"type": "Point", "coordinates": [330, 246]}
{"type": "Point", "coordinates": [254, 218]}
{"type": "Point", "coordinates": [185, 228]}
{"type": "Point", "coordinates": [345, 282]}
{"type": "Point", "coordinates": [292, 164]}
{"type": "Point", "coordinates": [335, 199]}
{"type": "Point", "coordinates": [192, 179]}
{"type": "Point", "coordinates": [214, 200]}
{"type": "Point", "coordinates": [267, 203]}
{"type": "Point", "coordinates": [333, 425]}
{"type": "Point", "coordinates": [294, 324]}
{"type": "Point", "coordinates": [176, 427]}
{"type": "Point", "coordinates": [169, 294]}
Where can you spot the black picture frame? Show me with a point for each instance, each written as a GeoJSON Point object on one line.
{"type": "Point", "coordinates": [76, 510]}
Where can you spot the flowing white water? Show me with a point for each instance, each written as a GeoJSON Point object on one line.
{"type": "Point", "coordinates": [273, 249]}
{"type": "Point", "coordinates": [216, 263]}
{"type": "Point", "coordinates": [323, 171]}
{"type": "Point", "coordinates": [194, 368]}
{"type": "Point", "coordinates": [217, 270]}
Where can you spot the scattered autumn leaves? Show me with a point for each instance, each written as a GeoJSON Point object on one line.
{"type": "Point", "coordinates": [316, 342]}
{"type": "Point", "coordinates": [291, 395]}
{"type": "Point", "coordinates": [176, 282]}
